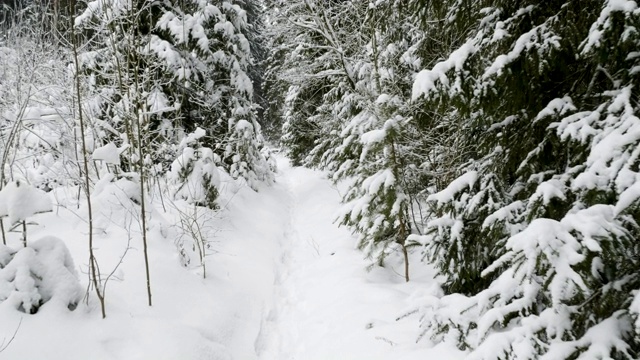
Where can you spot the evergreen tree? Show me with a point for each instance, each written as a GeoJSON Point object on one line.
{"type": "Point", "coordinates": [314, 50]}
{"type": "Point", "coordinates": [377, 155]}
{"type": "Point", "coordinates": [181, 66]}
{"type": "Point", "coordinates": [536, 235]}
{"type": "Point", "coordinates": [194, 173]}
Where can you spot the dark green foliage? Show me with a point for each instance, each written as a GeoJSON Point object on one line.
{"type": "Point", "coordinates": [521, 107]}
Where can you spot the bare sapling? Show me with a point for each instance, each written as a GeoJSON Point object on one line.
{"type": "Point", "coordinates": [93, 266]}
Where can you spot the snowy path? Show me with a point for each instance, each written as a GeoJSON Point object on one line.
{"type": "Point", "coordinates": [279, 335]}
{"type": "Point", "coordinates": [325, 305]}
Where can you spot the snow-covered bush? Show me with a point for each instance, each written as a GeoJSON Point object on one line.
{"type": "Point", "coordinates": [19, 201]}
{"type": "Point", "coordinates": [36, 131]}
{"type": "Point", "coordinates": [42, 274]}
{"type": "Point", "coordinates": [116, 201]}
{"type": "Point", "coordinates": [42, 148]}
{"type": "Point", "coordinates": [194, 174]}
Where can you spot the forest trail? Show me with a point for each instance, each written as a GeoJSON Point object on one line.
{"type": "Point", "coordinates": [309, 236]}
{"type": "Point", "coordinates": [324, 303]}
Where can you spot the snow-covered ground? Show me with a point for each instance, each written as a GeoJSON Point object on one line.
{"type": "Point", "coordinates": [284, 282]}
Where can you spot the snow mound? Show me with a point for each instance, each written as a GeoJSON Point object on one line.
{"type": "Point", "coordinates": [38, 274]}
{"type": "Point", "coordinates": [116, 202]}
{"type": "Point", "coordinates": [193, 137]}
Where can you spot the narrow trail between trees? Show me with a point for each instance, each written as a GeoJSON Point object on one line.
{"type": "Point", "coordinates": [290, 325]}
{"type": "Point", "coordinates": [324, 304]}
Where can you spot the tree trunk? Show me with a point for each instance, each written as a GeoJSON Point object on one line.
{"type": "Point", "coordinates": [24, 233]}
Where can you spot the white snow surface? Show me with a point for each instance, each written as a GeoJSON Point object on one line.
{"type": "Point", "coordinates": [283, 282]}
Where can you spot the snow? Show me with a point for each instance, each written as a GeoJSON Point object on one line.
{"type": "Point", "coordinates": [598, 28]}
{"type": "Point", "coordinates": [37, 276]}
{"type": "Point", "coordinates": [383, 178]}
{"type": "Point", "coordinates": [20, 201]}
{"type": "Point", "coordinates": [358, 319]}
{"type": "Point", "coordinates": [549, 238]}
{"type": "Point", "coordinates": [158, 102]}
{"type": "Point", "coordinates": [373, 136]}
{"type": "Point", "coordinates": [426, 80]}
{"type": "Point", "coordinates": [108, 153]}
{"type": "Point", "coordinates": [549, 190]}
{"type": "Point", "coordinates": [467, 180]}
{"type": "Point", "coordinates": [538, 37]}
{"type": "Point", "coordinates": [628, 197]}
{"type": "Point", "coordinates": [283, 282]}
{"type": "Point", "coordinates": [506, 213]}
{"type": "Point", "coordinates": [244, 125]}
{"type": "Point", "coordinates": [191, 138]}
{"type": "Point", "coordinates": [559, 245]}
{"type": "Point", "coordinates": [613, 130]}
{"type": "Point", "coordinates": [599, 340]}
{"type": "Point", "coordinates": [201, 174]}
{"type": "Point", "coordinates": [558, 106]}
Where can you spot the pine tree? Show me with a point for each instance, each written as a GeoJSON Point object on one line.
{"type": "Point", "coordinates": [536, 235]}
{"type": "Point", "coordinates": [377, 155]}
{"type": "Point", "coordinates": [181, 66]}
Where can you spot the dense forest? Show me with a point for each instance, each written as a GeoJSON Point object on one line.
{"type": "Point", "coordinates": [497, 140]}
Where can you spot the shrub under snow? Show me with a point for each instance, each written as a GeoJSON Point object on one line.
{"type": "Point", "coordinates": [41, 273]}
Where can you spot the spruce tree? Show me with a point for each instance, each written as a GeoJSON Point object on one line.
{"type": "Point", "coordinates": [378, 141]}
{"type": "Point", "coordinates": [314, 50]}
{"type": "Point", "coordinates": [536, 235]}
{"type": "Point", "coordinates": [183, 65]}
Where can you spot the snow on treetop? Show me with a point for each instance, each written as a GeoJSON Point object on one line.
{"type": "Point", "coordinates": [19, 200]}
